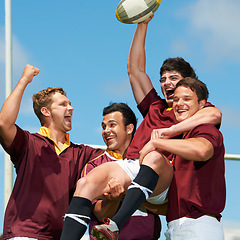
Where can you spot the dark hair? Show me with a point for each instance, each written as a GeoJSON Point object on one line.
{"type": "Point", "coordinates": [179, 65]}
{"type": "Point", "coordinates": [196, 86]}
{"type": "Point", "coordinates": [44, 99]}
{"type": "Point", "coordinates": [127, 113]}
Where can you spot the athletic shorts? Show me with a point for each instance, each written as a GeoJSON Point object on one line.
{"type": "Point", "coordinates": [22, 238]}
{"type": "Point", "coordinates": [132, 167]}
{"type": "Point", "coordinates": [202, 228]}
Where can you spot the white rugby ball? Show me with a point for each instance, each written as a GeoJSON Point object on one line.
{"type": "Point", "coordinates": [135, 11]}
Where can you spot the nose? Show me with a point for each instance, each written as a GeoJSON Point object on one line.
{"type": "Point", "coordinates": [70, 107]}
{"type": "Point", "coordinates": [167, 81]}
{"type": "Point", "coordinates": [106, 130]}
{"type": "Point", "coordinates": [180, 101]}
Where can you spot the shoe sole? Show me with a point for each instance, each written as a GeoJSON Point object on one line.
{"type": "Point", "coordinates": [98, 235]}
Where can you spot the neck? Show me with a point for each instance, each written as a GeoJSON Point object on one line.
{"type": "Point", "coordinates": [59, 137]}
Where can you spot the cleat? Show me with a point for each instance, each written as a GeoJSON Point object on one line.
{"type": "Point", "coordinates": [106, 231]}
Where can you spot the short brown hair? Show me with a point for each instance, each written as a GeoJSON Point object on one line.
{"type": "Point", "coordinates": [44, 99]}
{"type": "Point", "coordinates": [196, 86]}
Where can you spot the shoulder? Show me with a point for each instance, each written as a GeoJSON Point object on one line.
{"type": "Point", "coordinates": [208, 131]}
{"type": "Point", "coordinates": [149, 99]}
{"type": "Point", "coordinates": [99, 158]}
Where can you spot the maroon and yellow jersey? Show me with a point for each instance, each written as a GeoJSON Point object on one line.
{"type": "Point", "coordinates": [198, 188]}
{"type": "Point", "coordinates": [44, 185]}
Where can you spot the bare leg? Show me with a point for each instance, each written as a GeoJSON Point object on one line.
{"type": "Point", "coordinates": [89, 188]}
{"type": "Point", "coordinates": [95, 183]}
{"type": "Point", "coordinates": [161, 165]}
{"type": "Point", "coordinates": [155, 173]}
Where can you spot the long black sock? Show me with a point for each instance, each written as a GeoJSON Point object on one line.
{"type": "Point", "coordinates": [76, 219]}
{"type": "Point", "coordinates": [139, 190]}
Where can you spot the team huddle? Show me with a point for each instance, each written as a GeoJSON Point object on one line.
{"type": "Point", "coordinates": [171, 165]}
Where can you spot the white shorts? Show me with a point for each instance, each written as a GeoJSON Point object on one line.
{"type": "Point", "coordinates": [132, 167]}
{"type": "Point", "coordinates": [202, 228]}
{"type": "Point", "coordinates": [22, 238]}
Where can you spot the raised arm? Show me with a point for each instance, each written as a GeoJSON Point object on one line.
{"type": "Point", "coordinates": [206, 115]}
{"type": "Point", "coordinates": [10, 108]}
{"type": "Point", "coordinates": [140, 82]}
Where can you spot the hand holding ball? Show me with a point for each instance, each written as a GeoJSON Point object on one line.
{"type": "Point", "coordinates": [136, 11]}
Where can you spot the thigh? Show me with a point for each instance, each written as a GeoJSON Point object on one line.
{"type": "Point", "coordinates": [95, 183]}
{"type": "Point", "coordinates": [106, 171]}
{"type": "Point", "coordinates": [161, 165]}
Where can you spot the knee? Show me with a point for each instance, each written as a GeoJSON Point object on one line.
{"type": "Point", "coordinates": [81, 183]}
{"type": "Point", "coordinates": [155, 160]}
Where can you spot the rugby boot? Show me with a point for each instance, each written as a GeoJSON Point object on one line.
{"type": "Point", "coordinates": [107, 231]}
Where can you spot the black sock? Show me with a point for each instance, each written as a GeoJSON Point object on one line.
{"type": "Point", "coordinates": [72, 228]}
{"type": "Point", "coordinates": [147, 178]}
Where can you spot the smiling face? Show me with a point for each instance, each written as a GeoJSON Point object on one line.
{"type": "Point", "coordinates": [168, 81]}
{"type": "Point", "coordinates": [61, 113]}
{"type": "Point", "coordinates": [115, 134]}
{"type": "Point", "coordinates": [185, 103]}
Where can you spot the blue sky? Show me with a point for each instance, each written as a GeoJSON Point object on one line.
{"type": "Point", "coordinates": [80, 46]}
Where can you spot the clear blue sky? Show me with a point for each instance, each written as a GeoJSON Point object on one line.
{"type": "Point", "coordinates": [81, 46]}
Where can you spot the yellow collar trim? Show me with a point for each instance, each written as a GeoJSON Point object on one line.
{"type": "Point", "coordinates": [113, 154]}
{"type": "Point", "coordinates": [44, 131]}
{"type": "Point", "coordinates": [169, 109]}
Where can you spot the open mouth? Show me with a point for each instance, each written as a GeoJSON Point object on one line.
{"type": "Point", "coordinates": [169, 93]}
{"type": "Point", "coordinates": [68, 118]}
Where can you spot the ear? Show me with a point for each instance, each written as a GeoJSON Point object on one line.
{"type": "Point", "coordinates": [202, 103]}
{"type": "Point", "coordinates": [45, 112]}
{"type": "Point", "coordinates": [130, 128]}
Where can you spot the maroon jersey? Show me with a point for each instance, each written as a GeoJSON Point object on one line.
{"type": "Point", "coordinates": [141, 225]}
{"type": "Point", "coordinates": [156, 115]}
{"type": "Point", "coordinates": [44, 185]}
{"type": "Point", "coordinates": [198, 188]}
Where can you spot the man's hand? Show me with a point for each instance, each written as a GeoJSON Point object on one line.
{"type": "Point", "coordinates": [29, 72]}
{"type": "Point", "coordinates": [116, 190]}
{"type": "Point", "coordinates": [164, 133]}
{"type": "Point", "coordinates": [148, 19]}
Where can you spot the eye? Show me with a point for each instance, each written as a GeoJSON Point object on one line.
{"type": "Point", "coordinates": [162, 80]}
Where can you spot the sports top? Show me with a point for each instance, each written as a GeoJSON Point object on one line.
{"type": "Point", "coordinates": [198, 188]}
{"type": "Point", "coordinates": [44, 185]}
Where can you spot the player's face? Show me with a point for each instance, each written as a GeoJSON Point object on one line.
{"type": "Point", "coordinates": [168, 81]}
{"type": "Point", "coordinates": [61, 113]}
{"type": "Point", "coordinates": [114, 132]}
{"type": "Point", "coordinates": [185, 103]}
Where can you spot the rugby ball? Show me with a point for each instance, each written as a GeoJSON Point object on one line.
{"type": "Point", "coordinates": [136, 11]}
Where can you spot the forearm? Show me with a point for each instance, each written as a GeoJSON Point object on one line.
{"type": "Point", "coordinates": [105, 208]}
{"type": "Point", "coordinates": [206, 115]}
{"type": "Point", "coordinates": [137, 58]}
{"type": "Point", "coordinates": [160, 209]}
{"type": "Point", "coordinates": [9, 112]}
{"type": "Point", "coordinates": [10, 108]}
{"type": "Point", "coordinates": [196, 149]}
{"type": "Point", "coordinates": [140, 82]}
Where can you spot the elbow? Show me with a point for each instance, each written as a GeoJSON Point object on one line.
{"type": "Point", "coordinates": [129, 68]}
{"type": "Point", "coordinates": [203, 156]}
{"type": "Point", "coordinates": [1, 123]}
{"type": "Point", "coordinates": [216, 116]}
